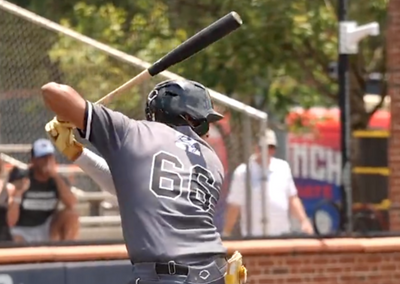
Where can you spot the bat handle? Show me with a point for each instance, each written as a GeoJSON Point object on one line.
{"type": "Point", "coordinates": [142, 76]}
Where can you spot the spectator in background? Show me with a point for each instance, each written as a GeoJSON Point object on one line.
{"type": "Point", "coordinates": [18, 181]}
{"type": "Point", "coordinates": [2, 170]}
{"type": "Point", "coordinates": [282, 199]}
{"type": "Point", "coordinates": [5, 188]}
{"type": "Point", "coordinates": [32, 213]}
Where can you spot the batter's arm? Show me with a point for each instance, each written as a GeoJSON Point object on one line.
{"type": "Point", "coordinates": [104, 128]}
{"type": "Point", "coordinates": [65, 102]}
{"type": "Point", "coordinates": [97, 169]}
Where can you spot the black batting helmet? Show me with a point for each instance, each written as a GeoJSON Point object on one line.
{"type": "Point", "coordinates": [182, 102]}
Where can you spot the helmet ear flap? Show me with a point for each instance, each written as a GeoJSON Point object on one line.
{"type": "Point", "coordinates": [202, 128]}
{"type": "Point", "coordinates": [150, 105]}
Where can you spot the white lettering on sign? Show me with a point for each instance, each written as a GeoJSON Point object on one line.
{"type": "Point", "coordinates": [316, 156]}
{"type": "Point", "coordinates": [315, 162]}
{"type": "Point", "coordinates": [6, 279]}
{"type": "Point", "coordinates": [299, 160]}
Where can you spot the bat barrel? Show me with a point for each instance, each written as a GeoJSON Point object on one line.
{"type": "Point", "coordinates": [188, 48]}
{"type": "Point", "coordinates": [199, 41]}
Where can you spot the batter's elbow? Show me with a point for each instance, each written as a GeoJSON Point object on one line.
{"type": "Point", "coordinates": [65, 102]}
{"type": "Point", "coordinates": [49, 87]}
{"type": "Point", "coordinates": [54, 97]}
{"type": "Point", "coordinates": [49, 90]}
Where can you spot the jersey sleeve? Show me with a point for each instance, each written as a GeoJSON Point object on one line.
{"type": "Point", "coordinates": [237, 190]}
{"type": "Point", "coordinates": [105, 129]}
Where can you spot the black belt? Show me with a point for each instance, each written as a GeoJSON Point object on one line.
{"type": "Point", "coordinates": [173, 268]}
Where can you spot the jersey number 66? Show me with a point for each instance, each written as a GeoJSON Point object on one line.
{"type": "Point", "coordinates": [167, 182]}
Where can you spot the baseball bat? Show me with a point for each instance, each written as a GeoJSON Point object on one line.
{"type": "Point", "coordinates": [188, 48]}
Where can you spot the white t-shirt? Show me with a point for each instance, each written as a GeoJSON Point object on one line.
{"type": "Point", "coordinates": [280, 186]}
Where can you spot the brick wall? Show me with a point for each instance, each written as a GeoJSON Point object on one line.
{"type": "Point", "coordinates": [325, 268]}
{"type": "Point", "coordinates": [393, 68]}
{"type": "Point", "coordinates": [311, 261]}
{"type": "Point", "coordinates": [330, 261]}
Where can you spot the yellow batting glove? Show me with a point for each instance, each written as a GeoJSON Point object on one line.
{"type": "Point", "coordinates": [62, 135]}
{"type": "Point", "coordinates": [236, 273]}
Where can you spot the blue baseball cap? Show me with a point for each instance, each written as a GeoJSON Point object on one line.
{"type": "Point", "coordinates": [42, 147]}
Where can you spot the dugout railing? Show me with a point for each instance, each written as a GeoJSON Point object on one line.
{"type": "Point", "coordinates": [238, 137]}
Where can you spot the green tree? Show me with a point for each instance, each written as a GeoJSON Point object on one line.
{"type": "Point", "coordinates": [279, 58]}
{"type": "Point", "coordinates": [96, 73]}
{"type": "Point", "coordinates": [283, 51]}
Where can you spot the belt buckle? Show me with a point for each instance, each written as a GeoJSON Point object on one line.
{"type": "Point", "coordinates": [171, 267]}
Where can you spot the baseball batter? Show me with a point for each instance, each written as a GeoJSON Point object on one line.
{"type": "Point", "coordinates": [166, 177]}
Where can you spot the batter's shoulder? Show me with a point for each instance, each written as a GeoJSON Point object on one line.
{"type": "Point", "coordinates": [154, 126]}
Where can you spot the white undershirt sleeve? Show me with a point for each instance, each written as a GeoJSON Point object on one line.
{"type": "Point", "coordinates": [97, 169]}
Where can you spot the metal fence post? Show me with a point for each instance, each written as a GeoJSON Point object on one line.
{"type": "Point", "coordinates": [247, 142]}
{"type": "Point", "coordinates": [264, 178]}
{"type": "Point", "coordinates": [345, 120]}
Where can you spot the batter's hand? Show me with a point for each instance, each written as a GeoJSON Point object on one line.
{"type": "Point", "coordinates": [236, 272]}
{"type": "Point", "coordinates": [62, 135]}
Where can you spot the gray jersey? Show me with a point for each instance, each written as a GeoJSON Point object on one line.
{"type": "Point", "coordinates": [167, 181]}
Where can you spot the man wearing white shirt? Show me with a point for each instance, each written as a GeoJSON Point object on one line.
{"type": "Point", "coordinates": [281, 197]}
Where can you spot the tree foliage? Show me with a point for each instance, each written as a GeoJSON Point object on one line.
{"type": "Point", "coordinates": [278, 59]}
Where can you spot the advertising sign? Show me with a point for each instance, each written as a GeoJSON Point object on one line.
{"type": "Point", "coordinates": [315, 159]}
{"type": "Point", "coordinates": [314, 156]}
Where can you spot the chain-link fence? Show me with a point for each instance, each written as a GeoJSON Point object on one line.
{"type": "Point", "coordinates": [34, 51]}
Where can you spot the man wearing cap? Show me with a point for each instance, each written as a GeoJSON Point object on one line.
{"type": "Point", "coordinates": [33, 213]}
{"type": "Point", "coordinates": [281, 197]}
